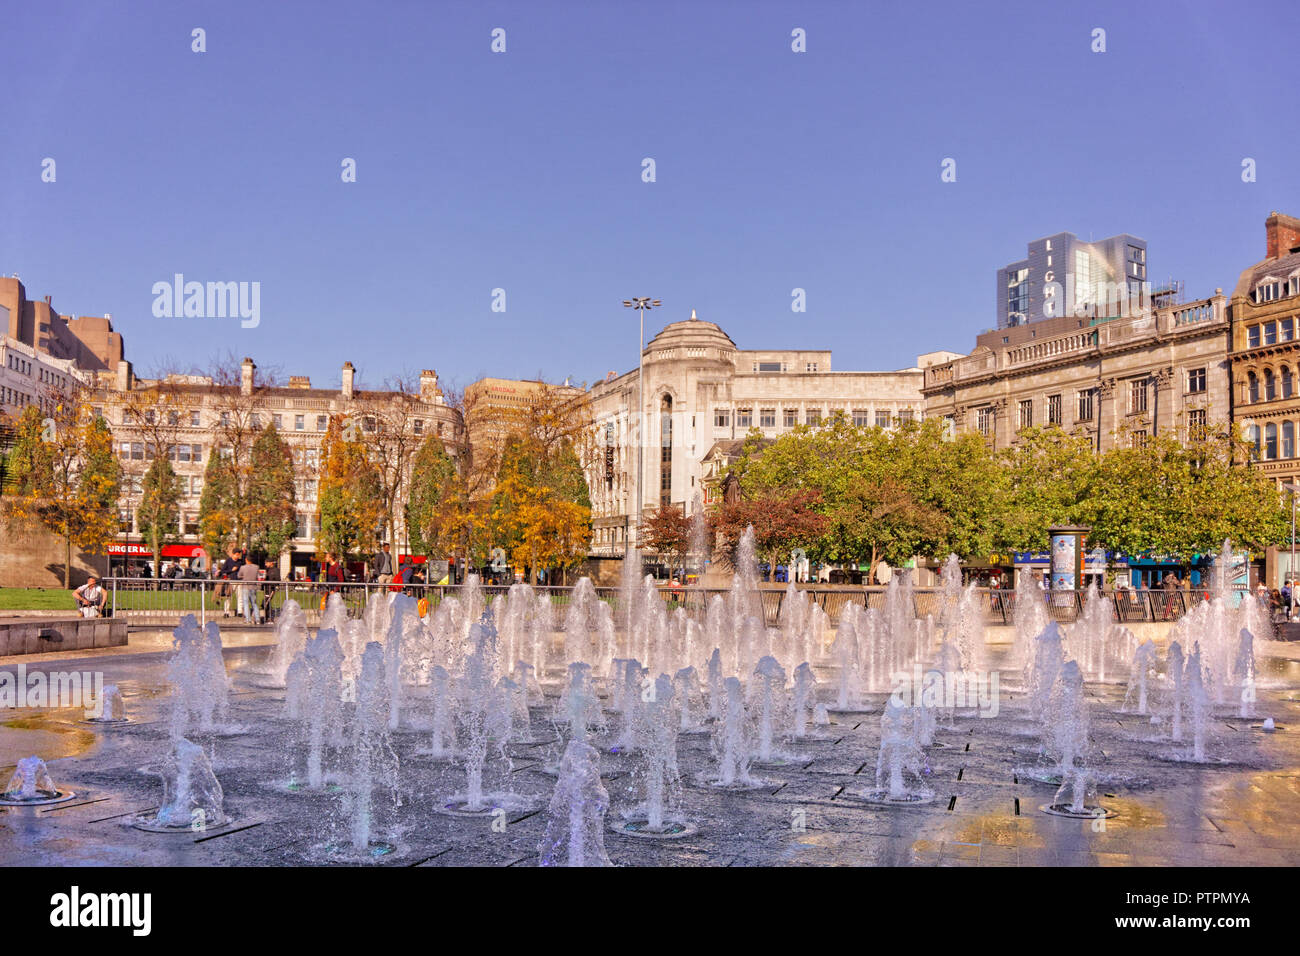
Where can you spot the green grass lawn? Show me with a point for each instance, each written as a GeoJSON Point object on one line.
{"type": "Point", "coordinates": [36, 599]}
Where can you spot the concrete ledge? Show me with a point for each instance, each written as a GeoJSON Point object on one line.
{"type": "Point", "coordinates": [27, 636]}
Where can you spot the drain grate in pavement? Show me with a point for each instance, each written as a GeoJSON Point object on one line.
{"type": "Point", "coordinates": [426, 859]}
{"type": "Point", "coordinates": [218, 836]}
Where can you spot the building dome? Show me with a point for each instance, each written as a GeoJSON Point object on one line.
{"type": "Point", "coordinates": [690, 333]}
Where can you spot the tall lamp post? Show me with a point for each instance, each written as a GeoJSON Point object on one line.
{"type": "Point", "coordinates": [1290, 611]}
{"type": "Point", "coordinates": [641, 305]}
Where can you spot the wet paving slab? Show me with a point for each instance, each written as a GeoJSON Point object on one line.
{"type": "Point", "coordinates": [1244, 811]}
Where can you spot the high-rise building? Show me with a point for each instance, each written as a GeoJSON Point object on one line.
{"type": "Point", "coordinates": [89, 342]}
{"type": "Point", "coordinates": [1062, 275]}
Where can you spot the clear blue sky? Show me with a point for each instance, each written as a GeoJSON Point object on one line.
{"type": "Point", "coordinates": [522, 171]}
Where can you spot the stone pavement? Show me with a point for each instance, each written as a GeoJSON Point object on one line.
{"type": "Point", "coordinates": [1242, 812]}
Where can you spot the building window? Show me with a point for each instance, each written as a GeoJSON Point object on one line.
{"type": "Point", "coordinates": [1054, 410]}
{"type": "Point", "coordinates": [278, 422]}
{"type": "Point", "coordinates": [1252, 438]}
{"type": "Point", "coordinates": [1026, 412]}
{"type": "Point", "coordinates": [984, 421]}
{"type": "Point", "coordinates": [1287, 381]}
{"type": "Point", "coordinates": [1137, 396]}
{"type": "Point", "coordinates": [1252, 337]}
{"type": "Point", "coordinates": [905, 415]}
{"type": "Point", "coordinates": [767, 417]}
{"type": "Point", "coordinates": [1270, 386]}
{"type": "Point", "coordinates": [1196, 380]}
{"type": "Point", "coordinates": [1196, 424]}
{"type": "Point", "coordinates": [769, 367]}
{"type": "Point", "coordinates": [322, 422]}
{"type": "Point", "coordinates": [194, 419]}
{"type": "Point", "coordinates": [1270, 441]}
{"type": "Point", "coordinates": [666, 450]}
{"type": "Point", "coordinates": [299, 422]}
{"type": "Point", "coordinates": [812, 366]}
{"type": "Point", "coordinates": [418, 426]}
{"type": "Point", "coordinates": [744, 417]}
{"type": "Point", "coordinates": [1288, 439]}
{"type": "Point", "coordinates": [791, 417]}
{"type": "Point", "coordinates": [1270, 333]}
{"type": "Point", "coordinates": [721, 418]}
{"type": "Point", "coordinates": [1085, 405]}
{"type": "Point", "coordinates": [1286, 330]}
{"type": "Point", "coordinates": [1137, 438]}
{"type": "Point", "coordinates": [812, 416]}
{"type": "Point", "coordinates": [225, 419]}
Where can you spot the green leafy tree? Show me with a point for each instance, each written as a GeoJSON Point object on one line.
{"type": "Point", "coordinates": [272, 512]}
{"type": "Point", "coordinates": [1049, 477]}
{"type": "Point", "coordinates": [440, 517]}
{"type": "Point", "coordinates": [159, 508]}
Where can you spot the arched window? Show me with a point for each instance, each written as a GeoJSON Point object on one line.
{"type": "Point", "coordinates": [1252, 387]}
{"type": "Point", "coordinates": [666, 450]}
{"type": "Point", "coordinates": [1270, 385]}
{"type": "Point", "coordinates": [1270, 441]}
{"type": "Point", "coordinates": [1287, 383]}
{"type": "Point", "coordinates": [1288, 439]}
{"type": "Point", "coordinates": [1252, 437]}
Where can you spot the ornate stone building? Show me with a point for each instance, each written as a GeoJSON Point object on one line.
{"type": "Point", "coordinates": [1121, 377]}
{"type": "Point", "coordinates": [202, 413]}
{"type": "Point", "coordinates": [702, 390]}
{"type": "Point", "coordinates": [1266, 350]}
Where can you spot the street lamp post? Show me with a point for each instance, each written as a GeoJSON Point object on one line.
{"type": "Point", "coordinates": [640, 304]}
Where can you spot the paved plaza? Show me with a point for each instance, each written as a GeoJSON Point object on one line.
{"type": "Point", "coordinates": [1241, 810]}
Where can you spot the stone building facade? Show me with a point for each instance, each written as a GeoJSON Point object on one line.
{"type": "Point", "coordinates": [1116, 378]}
{"type": "Point", "coordinates": [301, 414]}
{"type": "Point", "coordinates": [1266, 351]}
{"type": "Point", "coordinates": [701, 389]}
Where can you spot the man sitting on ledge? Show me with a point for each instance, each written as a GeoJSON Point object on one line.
{"type": "Point", "coordinates": [90, 598]}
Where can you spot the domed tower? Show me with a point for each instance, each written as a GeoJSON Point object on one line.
{"type": "Point", "coordinates": [687, 365]}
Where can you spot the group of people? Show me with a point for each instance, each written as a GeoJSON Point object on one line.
{"type": "Point", "coordinates": [241, 577]}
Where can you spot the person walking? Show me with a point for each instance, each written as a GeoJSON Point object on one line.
{"type": "Point", "coordinates": [248, 574]}
{"type": "Point", "coordinates": [384, 565]}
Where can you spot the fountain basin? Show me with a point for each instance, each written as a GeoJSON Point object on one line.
{"type": "Point", "coordinates": [640, 828]}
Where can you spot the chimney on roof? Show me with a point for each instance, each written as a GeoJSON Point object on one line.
{"type": "Point", "coordinates": [349, 373]}
{"type": "Point", "coordinates": [429, 385]}
{"type": "Point", "coordinates": [1283, 235]}
{"type": "Point", "coordinates": [123, 376]}
{"type": "Point", "coordinates": [299, 381]}
{"type": "Point", "coordinates": [246, 369]}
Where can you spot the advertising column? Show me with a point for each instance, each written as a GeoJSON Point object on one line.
{"type": "Point", "coordinates": [1067, 548]}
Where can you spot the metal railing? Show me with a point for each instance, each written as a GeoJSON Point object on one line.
{"type": "Point", "coordinates": [142, 601]}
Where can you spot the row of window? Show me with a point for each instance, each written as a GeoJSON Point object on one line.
{"type": "Point", "coordinates": [145, 451]}
{"type": "Point", "coordinates": [1274, 289]}
{"type": "Point", "coordinates": [255, 421]}
{"type": "Point", "coordinates": [1267, 387]}
{"type": "Point", "coordinates": [1086, 403]}
{"type": "Point", "coordinates": [1266, 440]}
{"type": "Point", "coordinates": [19, 364]}
{"type": "Point", "coordinates": [306, 530]}
{"type": "Point", "coordinates": [881, 418]}
{"type": "Point", "coordinates": [1270, 333]}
